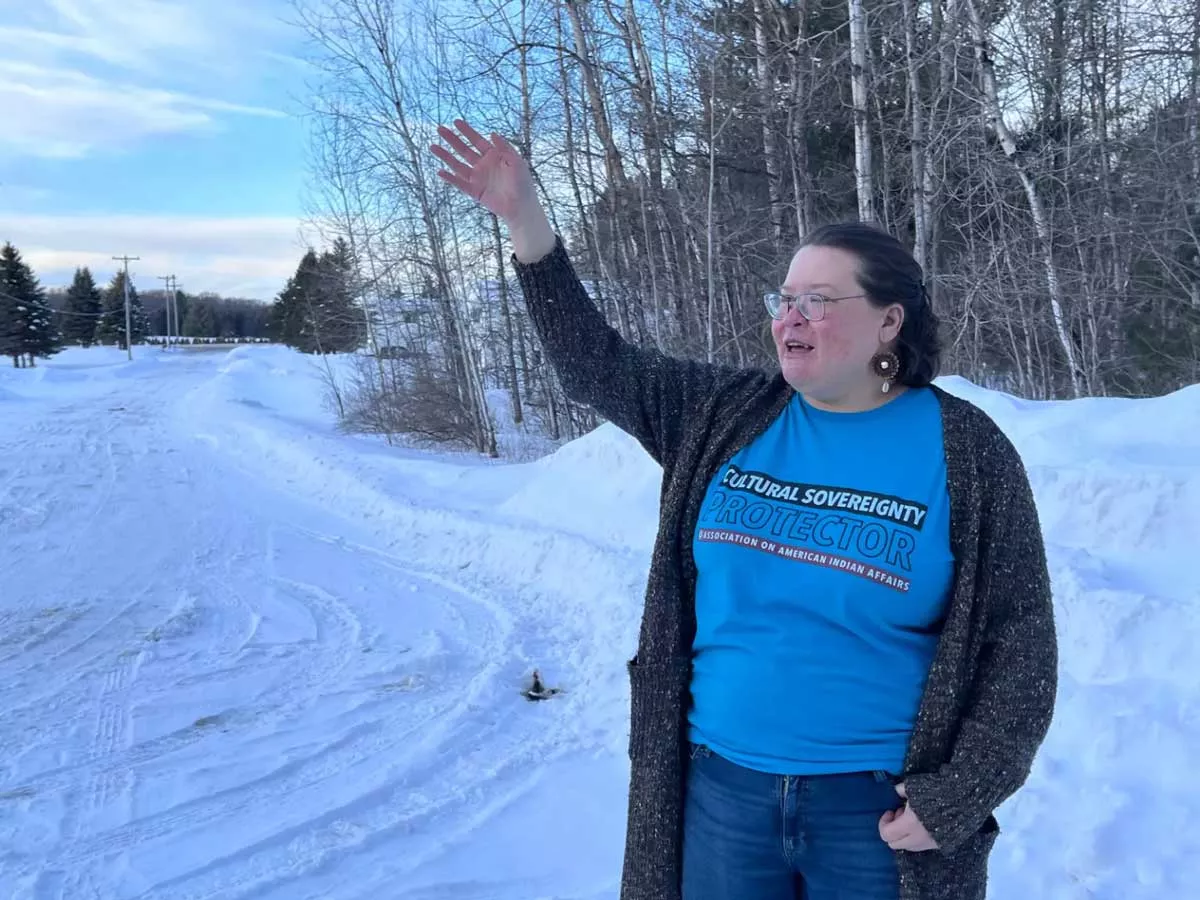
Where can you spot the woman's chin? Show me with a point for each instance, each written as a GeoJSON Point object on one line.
{"type": "Point", "coordinates": [799, 373]}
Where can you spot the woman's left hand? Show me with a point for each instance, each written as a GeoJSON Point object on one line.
{"type": "Point", "coordinates": [902, 830]}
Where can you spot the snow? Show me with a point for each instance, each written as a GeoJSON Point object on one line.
{"type": "Point", "coordinates": [243, 654]}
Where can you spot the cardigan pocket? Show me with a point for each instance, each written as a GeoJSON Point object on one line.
{"type": "Point", "coordinates": [961, 874]}
{"type": "Point", "coordinates": [658, 692]}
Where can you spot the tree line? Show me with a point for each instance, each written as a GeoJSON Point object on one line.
{"type": "Point", "coordinates": [1041, 157]}
{"type": "Point", "coordinates": [36, 322]}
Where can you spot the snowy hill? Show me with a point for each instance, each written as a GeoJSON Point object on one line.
{"type": "Point", "coordinates": [243, 655]}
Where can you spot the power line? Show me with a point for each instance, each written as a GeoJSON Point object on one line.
{"type": "Point", "coordinates": [71, 312]}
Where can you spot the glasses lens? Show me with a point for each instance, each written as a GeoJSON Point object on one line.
{"type": "Point", "coordinates": [811, 306]}
{"type": "Point", "coordinates": [774, 304]}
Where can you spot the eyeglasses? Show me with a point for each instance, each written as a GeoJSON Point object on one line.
{"type": "Point", "coordinates": [811, 306]}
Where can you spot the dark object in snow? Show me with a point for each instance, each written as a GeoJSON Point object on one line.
{"type": "Point", "coordinates": [538, 690]}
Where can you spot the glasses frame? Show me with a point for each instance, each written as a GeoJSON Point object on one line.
{"type": "Point", "coordinates": [777, 303]}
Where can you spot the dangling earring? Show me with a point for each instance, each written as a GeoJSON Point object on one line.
{"type": "Point", "coordinates": [886, 365]}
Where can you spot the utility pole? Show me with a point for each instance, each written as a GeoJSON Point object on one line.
{"type": "Point", "coordinates": [175, 307]}
{"type": "Point", "coordinates": [128, 323]}
{"type": "Point", "coordinates": [169, 302]}
{"type": "Point", "coordinates": [166, 280]}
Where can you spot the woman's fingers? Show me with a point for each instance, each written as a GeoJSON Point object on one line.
{"type": "Point", "coordinates": [893, 826]}
{"type": "Point", "coordinates": [468, 154]}
{"type": "Point", "coordinates": [459, 168]}
{"type": "Point", "coordinates": [473, 136]}
{"type": "Point", "coordinates": [462, 184]}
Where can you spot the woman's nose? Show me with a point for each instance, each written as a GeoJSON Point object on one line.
{"type": "Point", "coordinates": [792, 314]}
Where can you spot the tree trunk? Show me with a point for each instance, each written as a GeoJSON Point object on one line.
{"type": "Point", "coordinates": [797, 123]}
{"type": "Point", "coordinates": [922, 169]}
{"type": "Point", "coordinates": [863, 174]}
{"type": "Point", "coordinates": [612, 156]}
{"type": "Point", "coordinates": [1041, 222]}
{"type": "Point", "coordinates": [767, 107]}
{"type": "Point", "coordinates": [510, 341]}
{"type": "Point", "coordinates": [1193, 125]}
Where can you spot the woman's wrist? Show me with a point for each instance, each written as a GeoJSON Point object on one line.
{"type": "Point", "coordinates": [532, 237]}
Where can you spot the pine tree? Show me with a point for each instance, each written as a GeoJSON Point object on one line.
{"type": "Point", "coordinates": [183, 306]}
{"type": "Point", "coordinates": [316, 311]}
{"type": "Point", "coordinates": [339, 318]}
{"type": "Point", "coordinates": [27, 328]}
{"type": "Point", "coordinates": [280, 317]}
{"type": "Point", "coordinates": [82, 310]}
{"type": "Point", "coordinates": [10, 317]}
{"type": "Point", "coordinates": [291, 318]}
{"type": "Point", "coordinates": [111, 329]}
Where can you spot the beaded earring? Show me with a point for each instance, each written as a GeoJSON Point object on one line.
{"type": "Point", "coordinates": [886, 365]}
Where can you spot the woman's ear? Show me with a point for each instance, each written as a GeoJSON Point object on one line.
{"type": "Point", "coordinates": [893, 320]}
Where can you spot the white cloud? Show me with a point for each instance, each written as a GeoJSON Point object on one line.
{"type": "Point", "coordinates": [244, 257]}
{"type": "Point", "coordinates": [77, 76]}
{"type": "Point", "coordinates": [158, 35]}
{"type": "Point", "coordinates": [67, 114]}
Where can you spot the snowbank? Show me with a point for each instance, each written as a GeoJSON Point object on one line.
{"type": "Point", "coordinates": [78, 371]}
{"type": "Point", "coordinates": [1114, 478]}
{"type": "Point", "coordinates": [279, 381]}
{"type": "Point", "coordinates": [603, 486]}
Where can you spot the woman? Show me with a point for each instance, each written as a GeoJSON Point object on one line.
{"type": "Point", "coordinates": [847, 658]}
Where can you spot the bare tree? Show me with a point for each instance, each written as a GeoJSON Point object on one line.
{"type": "Point", "coordinates": [1042, 158]}
{"type": "Point", "coordinates": [990, 97]}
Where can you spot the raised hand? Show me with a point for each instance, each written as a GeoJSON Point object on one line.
{"type": "Point", "coordinates": [491, 172]}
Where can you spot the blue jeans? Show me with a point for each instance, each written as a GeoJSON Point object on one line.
{"type": "Point", "coordinates": [748, 835]}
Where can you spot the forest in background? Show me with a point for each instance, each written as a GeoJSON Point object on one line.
{"type": "Point", "coordinates": [1042, 159]}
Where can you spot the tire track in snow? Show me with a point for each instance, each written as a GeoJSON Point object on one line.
{"type": "Point", "coordinates": [58, 647]}
{"type": "Point", "coordinates": [49, 692]}
{"type": "Point", "coordinates": [103, 788]}
{"type": "Point", "coordinates": [43, 699]}
{"type": "Point", "coordinates": [288, 694]}
{"type": "Point", "coordinates": [46, 714]}
{"type": "Point", "coordinates": [338, 630]}
{"type": "Point", "coordinates": [398, 734]}
{"type": "Point", "coordinates": [84, 633]}
{"type": "Point", "coordinates": [279, 865]}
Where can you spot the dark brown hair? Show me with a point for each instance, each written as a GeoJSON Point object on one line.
{"type": "Point", "coordinates": [889, 274]}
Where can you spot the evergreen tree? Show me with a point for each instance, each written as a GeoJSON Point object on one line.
{"type": "Point", "coordinates": [291, 317]}
{"type": "Point", "coordinates": [10, 317]}
{"type": "Point", "coordinates": [111, 329]}
{"type": "Point", "coordinates": [82, 311]}
{"type": "Point", "coordinates": [183, 305]}
{"type": "Point", "coordinates": [27, 328]}
{"type": "Point", "coordinates": [339, 318]}
{"type": "Point", "coordinates": [316, 311]}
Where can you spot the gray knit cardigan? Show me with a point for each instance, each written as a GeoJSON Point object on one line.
{"type": "Point", "coordinates": [990, 694]}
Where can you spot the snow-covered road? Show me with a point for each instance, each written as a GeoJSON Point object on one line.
{"type": "Point", "coordinates": [243, 655]}
{"type": "Point", "coordinates": [217, 681]}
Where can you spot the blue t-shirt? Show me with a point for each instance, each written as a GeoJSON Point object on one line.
{"type": "Point", "coordinates": [823, 552]}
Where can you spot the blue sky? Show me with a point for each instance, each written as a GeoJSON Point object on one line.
{"type": "Point", "coordinates": [165, 129]}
